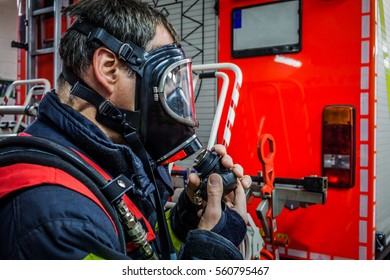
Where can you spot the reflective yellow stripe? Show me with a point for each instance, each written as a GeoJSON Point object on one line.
{"type": "Point", "coordinates": [92, 257]}
{"type": "Point", "coordinates": [175, 240]}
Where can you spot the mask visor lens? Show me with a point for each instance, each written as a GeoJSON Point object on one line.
{"type": "Point", "coordinates": [178, 92]}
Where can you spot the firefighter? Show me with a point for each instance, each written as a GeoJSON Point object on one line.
{"type": "Point", "coordinates": [124, 102]}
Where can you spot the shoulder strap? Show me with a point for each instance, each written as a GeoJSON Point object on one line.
{"type": "Point", "coordinates": [34, 151]}
{"type": "Point", "coordinates": [20, 176]}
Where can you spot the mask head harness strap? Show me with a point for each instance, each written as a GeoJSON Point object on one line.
{"type": "Point", "coordinates": [118, 119]}
{"type": "Point", "coordinates": [129, 52]}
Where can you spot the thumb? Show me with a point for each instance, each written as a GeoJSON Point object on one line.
{"type": "Point", "coordinates": [213, 211]}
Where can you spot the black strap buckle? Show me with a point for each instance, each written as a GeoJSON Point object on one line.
{"type": "Point", "coordinates": [107, 108]}
{"type": "Point", "coordinates": [125, 51]}
{"type": "Point", "coordinates": [116, 188]}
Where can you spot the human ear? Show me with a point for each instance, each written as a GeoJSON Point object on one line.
{"type": "Point", "coordinates": [106, 67]}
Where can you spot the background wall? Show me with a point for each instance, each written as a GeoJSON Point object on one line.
{"type": "Point", "coordinates": [8, 20]}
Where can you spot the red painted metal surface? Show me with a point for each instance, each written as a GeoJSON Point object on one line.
{"type": "Point", "coordinates": [287, 102]}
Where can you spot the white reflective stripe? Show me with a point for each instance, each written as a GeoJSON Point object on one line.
{"type": "Point", "coordinates": [363, 206]}
{"type": "Point", "coordinates": [363, 180]}
{"type": "Point", "coordinates": [365, 52]}
{"type": "Point", "coordinates": [363, 129]}
{"type": "Point", "coordinates": [363, 155]}
{"type": "Point", "coordinates": [364, 103]}
{"type": "Point", "coordinates": [365, 26]}
{"type": "Point", "coordinates": [362, 252]}
{"type": "Point", "coordinates": [316, 256]}
{"type": "Point", "coordinates": [235, 97]}
{"type": "Point", "coordinates": [362, 231]}
{"type": "Point", "coordinates": [364, 77]}
{"type": "Point", "coordinates": [365, 6]}
{"type": "Point", "coordinates": [297, 253]}
{"type": "Point", "coordinates": [231, 117]}
{"type": "Point", "coordinates": [226, 136]}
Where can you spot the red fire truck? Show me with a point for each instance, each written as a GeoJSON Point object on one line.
{"type": "Point", "coordinates": [316, 77]}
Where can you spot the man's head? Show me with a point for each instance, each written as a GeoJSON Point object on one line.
{"type": "Point", "coordinates": [127, 20]}
{"type": "Point", "coordinates": [123, 62]}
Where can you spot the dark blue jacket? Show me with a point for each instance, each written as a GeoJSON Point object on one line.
{"type": "Point", "coordinates": [54, 222]}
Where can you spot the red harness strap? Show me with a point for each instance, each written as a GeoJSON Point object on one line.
{"type": "Point", "coordinates": [132, 207]}
{"type": "Point", "coordinates": [24, 175]}
{"type": "Point", "coordinates": [29, 175]}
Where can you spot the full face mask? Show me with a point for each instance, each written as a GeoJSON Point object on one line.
{"type": "Point", "coordinates": [165, 118]}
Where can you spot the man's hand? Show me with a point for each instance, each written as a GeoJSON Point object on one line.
{"type": "Point", "coordinates": [235, 200]}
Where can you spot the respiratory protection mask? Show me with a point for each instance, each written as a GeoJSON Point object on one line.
{"type": "Point", "coordinates": [164, 119]}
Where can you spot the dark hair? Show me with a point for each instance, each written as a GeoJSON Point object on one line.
{"type": "Point", "coordinates": [131, 20]}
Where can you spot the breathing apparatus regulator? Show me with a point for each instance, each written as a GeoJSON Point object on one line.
{"type": "Point", "coordinates": [208, 162]}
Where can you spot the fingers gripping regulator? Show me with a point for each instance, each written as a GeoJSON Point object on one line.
{"type": "Point", "coordinates": [206, 163]}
